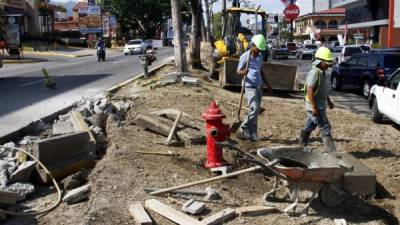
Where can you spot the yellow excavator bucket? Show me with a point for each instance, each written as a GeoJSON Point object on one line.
{"type": "Point", "coordinates": [220, 45]}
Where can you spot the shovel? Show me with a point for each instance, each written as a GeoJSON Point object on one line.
{"type": "Point", "coordinates": [236, 125]}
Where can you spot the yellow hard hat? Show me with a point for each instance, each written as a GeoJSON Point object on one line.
{"type": "Point", "coordinates": [324, 54]}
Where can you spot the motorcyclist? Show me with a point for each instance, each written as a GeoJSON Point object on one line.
{"type": "Point", "coordinates": [101, 46]}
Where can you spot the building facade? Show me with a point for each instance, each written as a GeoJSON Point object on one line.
{"type": "Point", "coordinates": [323, 26]}
{"type": "Point", "coordinates": [368, 20]}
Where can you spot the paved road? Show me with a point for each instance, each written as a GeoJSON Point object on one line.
{"type": "Point", "coordinates": [23, 97]}
{"type": "Point", "coordinates": [346, 99]}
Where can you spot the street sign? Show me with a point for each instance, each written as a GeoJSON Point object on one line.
{"type": "Point", "coordinates": [286, 2]}
{"type": "Point", "coordinates": [292, 11]}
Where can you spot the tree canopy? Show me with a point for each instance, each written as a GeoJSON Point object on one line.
{"type": "Point", "coordinates": [145, 16]}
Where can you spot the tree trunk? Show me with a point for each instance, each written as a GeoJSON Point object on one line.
{"type": "Point", "coordinates": [195, 35]}
{"type": "Point", "coordinates": [224, 18]}
{"type": "Point", "coordinates": [208, 18]}
{"type": "Point", "coordinates": [203, 25]}
{"type": "Point", "coordinates": [179, 47]}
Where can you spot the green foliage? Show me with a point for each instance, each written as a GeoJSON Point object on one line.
{"type": "Point", "coordinates": [145, 16]}
{"type": "Point", "coordinates": [48, 81]}
{"type": "Point", "coordinates": [217, 23]}
{"type": "Point", "coordinates": [375, 45]}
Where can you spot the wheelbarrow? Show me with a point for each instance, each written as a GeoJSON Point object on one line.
{"type": "Point", "coordinates": [302, 169]}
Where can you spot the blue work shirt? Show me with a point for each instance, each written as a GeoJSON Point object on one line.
{"type": "Point", "coordinates": [253, 78]}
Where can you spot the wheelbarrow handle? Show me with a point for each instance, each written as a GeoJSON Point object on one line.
{"type": "Point", "coordinates": [267, 167]}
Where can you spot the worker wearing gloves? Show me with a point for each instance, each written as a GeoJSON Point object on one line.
{"type": "Point", "coordinates": [317, 99]}
{"type": "Point", "coordinates": [254, 78]}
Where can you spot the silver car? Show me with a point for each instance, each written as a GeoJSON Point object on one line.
{"type": "Point", "coordinates": [347, 52]}
{"type": "Point", "coordinates": [307, 51]}
{"type": "Point", "coordinates": [136, 46]}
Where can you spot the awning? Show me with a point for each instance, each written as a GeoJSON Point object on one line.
{"type": "Point", "coordinates": [12, 10]}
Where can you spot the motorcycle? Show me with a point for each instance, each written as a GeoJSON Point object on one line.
{"type": "Point", "coordinates": [101, 54]}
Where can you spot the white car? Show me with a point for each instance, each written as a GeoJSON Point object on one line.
{"type": "Point", "coordinates": [136, 46]}
{"type": "Point", "coordinates": [385, 99]}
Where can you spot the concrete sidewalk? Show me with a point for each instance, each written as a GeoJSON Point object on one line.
{"type": "Point", "coordinates": [73, 53]}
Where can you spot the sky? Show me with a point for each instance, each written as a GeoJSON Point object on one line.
{"type": "Point", "coordinates": [270, 6]}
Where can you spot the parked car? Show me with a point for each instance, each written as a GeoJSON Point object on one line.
{"type": "Point", "coordinates": [148, 44]}
{"type": "Point", "coordinates": [365, 48]}
{"type": "Point", "coordinates": [292, 48]}
{"type": "Point", "coordinates": [307, 51]}
{"type": "Point", "coordinates": [168, 42]}
{"type": "Point", "coordinates": [347, 52]}
{"type": "Point", "coordinates": [362, 71]}
{"type": "Point", "coordinates": [280, 52]}
{"type": "Point", "coordinates": [136, 46]}
{"type": "Point", "coordinates": [385, 100]}
{"type": "Point", "coordinates": [385, 50]}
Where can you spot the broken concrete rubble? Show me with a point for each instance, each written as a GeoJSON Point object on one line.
{"type": "Point", "coordinates": [8, 199]}
{"type": "Point", "coordinates": [193, 207]}
{"type": "Point", "coordinates": [21, 189]}
{"type": "Point", "coordinates": [28, 140]}
{"type": "Point", "coordinates": [75, 180]}
{"type": "Point", "coordinates": [77, 195]}
{"type": "Point", "coordinates": [163, 125]}
{"type": "Point", "coordinates": [23, 173]}
{"type": "Point", "coordinates": [63, 127]}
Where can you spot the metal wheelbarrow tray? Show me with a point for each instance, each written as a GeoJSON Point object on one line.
{"type": "Point", "coordinates": [307, 169]}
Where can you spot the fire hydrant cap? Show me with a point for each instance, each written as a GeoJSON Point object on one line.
{"type": "Point", "coordinates": [213, 112]}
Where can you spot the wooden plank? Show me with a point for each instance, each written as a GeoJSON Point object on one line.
{"type": "Point", "coordinates": [139, 214]}
{"type": "Point", "coordinates": [171, 213]}
{"type": "Point", "coordinates": [220, 217]}
{"type": "Point", "coordinates": [255, 210]}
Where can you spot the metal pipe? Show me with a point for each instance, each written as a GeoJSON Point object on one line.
{"type": "Point", "coordinates": [391, 24]}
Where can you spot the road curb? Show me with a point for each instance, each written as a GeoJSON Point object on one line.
{"type": "Point", "coordinates": [58, 54]}
{"type": "Point", "coordinates": [16, 61]}
{"type": "Point", "coordinates": [138, 76]}
{"type": "Point", "coordinates": [30, 128]}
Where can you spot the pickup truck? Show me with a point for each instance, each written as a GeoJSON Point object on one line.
{"type": "Point", "coordinates": [385, 99]}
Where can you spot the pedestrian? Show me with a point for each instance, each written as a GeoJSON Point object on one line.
{"type": "Point", "coordinates": [317, 99]}
{"type": "Point", "coordinates": [254, 79]}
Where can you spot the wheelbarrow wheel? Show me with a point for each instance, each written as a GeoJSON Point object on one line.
{"type": "Point", "coordinates": [330, 195]}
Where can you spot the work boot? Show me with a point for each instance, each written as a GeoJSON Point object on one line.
{"type": "Point", "coordinates": [255, 137]}
{"type": "Point", "coordinates": [329, 143]}
{"type": "Point", "coordinates": [244, 134]}
{"type": "Point", "coordinates": [304, 137]}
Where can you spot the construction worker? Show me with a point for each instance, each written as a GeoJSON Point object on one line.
{"type": "Point", "coordinates": [250, 67]}
{"type": "Point", "coordinates": [317, 99]}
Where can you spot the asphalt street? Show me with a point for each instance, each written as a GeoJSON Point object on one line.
{"type": "Point", "coordinates": [23, 97]}
{"type": "Point", "coordinates": [345, 99]}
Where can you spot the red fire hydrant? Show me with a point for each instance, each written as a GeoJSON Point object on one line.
{"type": "Point", "coordinates": [216, 131]}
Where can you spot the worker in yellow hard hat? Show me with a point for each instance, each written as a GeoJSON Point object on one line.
{"type": "Point", "coordinates": [317, 99]}
{"type": "Point", "coordinates": [250, 67]}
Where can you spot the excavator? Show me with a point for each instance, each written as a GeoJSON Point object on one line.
{"type": "Point", "coordinates": [222, 56]}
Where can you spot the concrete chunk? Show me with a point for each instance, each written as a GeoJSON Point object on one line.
{"type": "Point", "coordinates": [23, 173]}
{"type": "Point", "coordinates": [63, 155]}
{"type": "Point", "coordinates": [193, 207]}
{"type": "Point", "coordinates": [8, 199]}
{"type": "Point", "coordinates": [77, 195]}
{"type": "Point", "coordinates": [361, 181]}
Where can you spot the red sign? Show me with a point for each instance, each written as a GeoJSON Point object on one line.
{"type": "Point", "coordinates": [292, 11]}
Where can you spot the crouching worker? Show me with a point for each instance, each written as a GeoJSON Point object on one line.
{"type": "Point", "coordinates": [317, 99]}
{"type": "Point", "coordinates": [250, 67]}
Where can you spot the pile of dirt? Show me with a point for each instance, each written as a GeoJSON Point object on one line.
{"type": "Point", "coordinates": [120, 177]}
